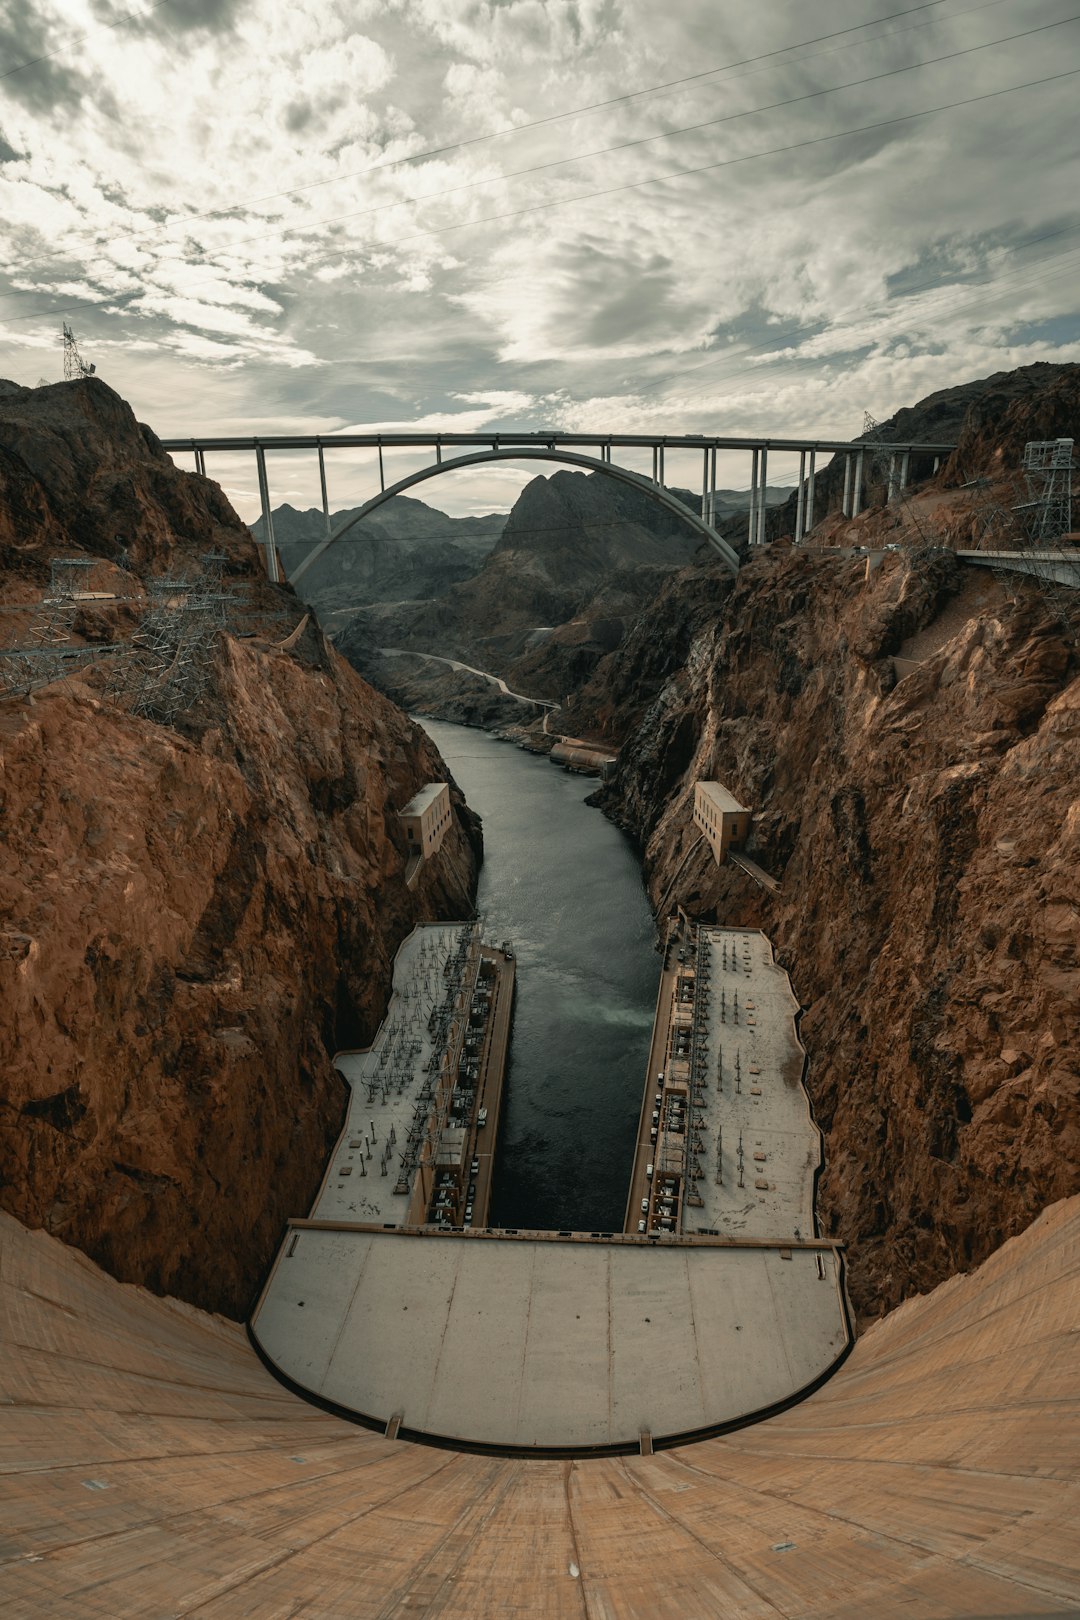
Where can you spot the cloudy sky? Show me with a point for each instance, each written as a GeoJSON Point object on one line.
{"type": "Point", "coordinates": [307, 215]}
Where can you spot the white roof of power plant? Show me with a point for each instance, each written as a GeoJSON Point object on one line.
{"type": "Point", "coordinates": [422, 800]}
{"type": "Point", "coordinates": [724, 800]}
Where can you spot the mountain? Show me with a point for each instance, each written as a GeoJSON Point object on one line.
{"type": "Point", "coordinates": [989, 419]}
{"type": "Point", "coordinates": [404, 549]}
{"type": "Point", "coordinates": [577, 558]}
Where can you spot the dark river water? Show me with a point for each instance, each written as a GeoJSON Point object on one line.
{"type": "Point", "coordinates": [562, 884]}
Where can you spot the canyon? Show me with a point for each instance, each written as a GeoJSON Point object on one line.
{"type": "Point", "coordinates": [198, 915]}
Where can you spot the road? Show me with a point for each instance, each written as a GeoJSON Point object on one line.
{"type": "Point", "coordinates": [455, 663]}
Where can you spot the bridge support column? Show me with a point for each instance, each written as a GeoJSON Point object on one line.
{"type": "Point", "coordinates": [810, 485]}
{"type": "Point", "coordinates": [763, 467]}
{"type": "Point", "coordinates": [891, 492]}
{"type": "Point", "coordinates": [322, 486]}
{"type": "Point", "coordinates": [751, 533]}
{"type": "Point", "coordinates": [382, 471]}
{"type": "Point", "coordinates": [712, 487]}
{"type": "Point", "coordinates": [661, 467]}
{"type": "Point", "coordinates": [905, 468]}
{"type": "Point", "coordinates": [268, 522]}
{"type": "Point", "coordinates": [856, 498]}
{"type": "Point", "coordinates": [200, 462]}
{"type": "Point", "coordinates": [800, 502]}
{"type": "Point", "coordinates": [849, 469]}
{"type": "Point", "coordinates": [656, 464]}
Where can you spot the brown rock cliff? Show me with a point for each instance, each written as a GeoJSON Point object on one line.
{"type": "Point", "coordinates": [192, 919]}
{"type": "Point", "coordinates": [927, 833]}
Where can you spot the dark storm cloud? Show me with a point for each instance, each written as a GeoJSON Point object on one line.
{"type": "Point", "coordinates": [29, 73]}
{"type": "Point", "coordinates": [206, 16]}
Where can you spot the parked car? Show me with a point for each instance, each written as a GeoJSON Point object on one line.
{"type": "Point", "coordinates": [481, 1118]}
{"type": "Point", "coordinates": [641, 1226]}
{"type": "Point", "coordinates": [644, 1206]}
{"type": "Point", "coordinates": [474, 1168]}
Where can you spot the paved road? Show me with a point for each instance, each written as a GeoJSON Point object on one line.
{"type": "Point", "coordinates": [639, 1184]}
{"type": "Point", "coordinates": [455, 663]}
{"type": "Point", "coordinates": [489, 1092]}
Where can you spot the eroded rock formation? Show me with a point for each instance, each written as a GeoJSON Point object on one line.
{"type": "Point", "coordinates": [192, 918]}
{"type": "Point", "coordinates": [923, 813]}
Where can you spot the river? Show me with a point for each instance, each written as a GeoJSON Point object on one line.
{"type": "Point", "coordinates": [561, 882]}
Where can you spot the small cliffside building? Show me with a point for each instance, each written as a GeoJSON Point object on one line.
{"type": "Point", "coordinates": [426, 818]}
{"type": "Point", "coordinates": [724, 821]}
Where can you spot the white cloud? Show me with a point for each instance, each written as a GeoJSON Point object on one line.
{"type": "Point", "coordinates": [777, 293]}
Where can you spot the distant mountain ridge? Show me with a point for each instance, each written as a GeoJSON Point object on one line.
{"type": "Point", "coordinates": [405, 549]}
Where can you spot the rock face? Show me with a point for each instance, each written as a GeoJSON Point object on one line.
{"type": "Point", "coordinates": [927, 834]}
{"type": "Point", "coordinates": [192, 919]}
{"type": "Point", "coordinates": [79, 474]}
{"type": "Point", "coordinates": [989, 419]}
{"type": "Point", "coordinates": [405, 549]}
{"type": "Point", "coordinates": [578, 558]}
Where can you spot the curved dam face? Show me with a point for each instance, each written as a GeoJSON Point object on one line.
{"type": "Point", "coordinates": [152, 1467]}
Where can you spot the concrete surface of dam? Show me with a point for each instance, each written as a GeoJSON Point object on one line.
{"type": "Point", "coordinates": [151, 1466]}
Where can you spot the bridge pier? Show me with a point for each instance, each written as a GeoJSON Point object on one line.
{"type": "Point", "coordinates": [849, 469]}
{"type": "Point", "coordinates": [800, 503]}
{"type": "Point", "coordinates": [322, 483]}
{"type": "Point", "coordinates": [893, 487]}
{"type": "Point", "coordinates": [856, 499]}
{"type": "Point", "coordinates": [810, 486]}
{"type": "Point", "coordinates": [905, 468]}
{"type": "Point", "coordinates": [268, 522]}
{"type": "Point", "coordinates": [751, 534]}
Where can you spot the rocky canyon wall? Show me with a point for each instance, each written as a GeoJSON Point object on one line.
{"type": "Point", "coordinates": [193, 918]}
{"type": "Point", "coordinates": [910, 741]}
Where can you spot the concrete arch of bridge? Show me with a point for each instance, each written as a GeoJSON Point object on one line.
{"type": "Point", "coordinates": [570, 458]}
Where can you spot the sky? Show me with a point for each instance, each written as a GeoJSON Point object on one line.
{"type": "Point", "coordinates": [267, 216]}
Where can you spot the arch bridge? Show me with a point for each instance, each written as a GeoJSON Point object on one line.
{"type": "Point", "coordinates": [593, 452]}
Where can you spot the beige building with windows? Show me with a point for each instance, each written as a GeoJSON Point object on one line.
{"type": "Point", "coordinates": [426, 817]}
{"type": "Point", "coordinates": [724, 821]}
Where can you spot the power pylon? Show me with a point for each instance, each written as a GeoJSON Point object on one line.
{"type": "Point", "coordinates": [74, 364]}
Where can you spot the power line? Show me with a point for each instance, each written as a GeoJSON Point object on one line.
{"type": "Point", "coordinates": [727, 163]}
{"type": "Point", "coordinates": [121, 22]}
{"type": "Point", "coordinates": [609, 191]}
{"type": "Point", "coordinates": [622, 146]}
{"type": "Point", "coordinates": [147, 238]}
{"type": "Point", "coordinates": [553, 118]}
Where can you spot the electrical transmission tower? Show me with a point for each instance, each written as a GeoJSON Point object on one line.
{"type": "Point", "coordinates": [74, 364]}
{"type": "Point", "coordinates": [1047, 513]}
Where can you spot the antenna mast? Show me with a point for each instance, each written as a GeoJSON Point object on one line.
{"type": "Point", "coordinates": [74, 364]}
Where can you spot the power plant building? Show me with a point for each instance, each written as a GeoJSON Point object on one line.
{"type": "Point", "coordinates": [426, 818]}
{"type": "Point", "coordinates": [724, 821]}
